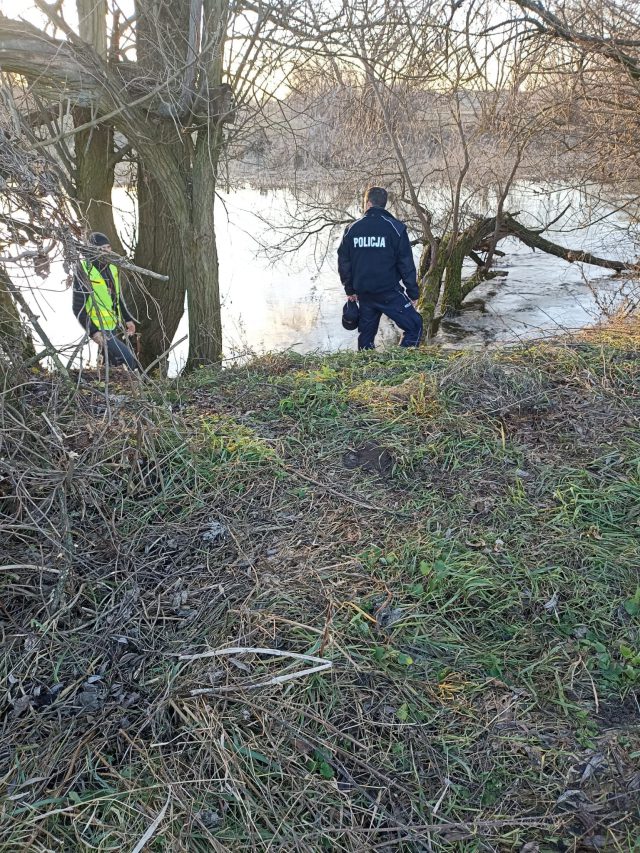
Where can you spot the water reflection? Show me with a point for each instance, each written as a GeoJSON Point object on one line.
{"type": "Point", "coordinates": [292, 304]}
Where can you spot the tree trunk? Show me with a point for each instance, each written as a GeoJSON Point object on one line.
{"type": "Point", "coordinates": [203, 291]}
{"type": "Point", "coordinates": [165, 229]}
{"type": "Point", "coordinates": [16, 344]}
{"type": "Point", "coordinates": [177, 216]}
{"type": "Point", "coordinates": [454, 291]}
{"type": "Point", "coordinates": [94, 175]}
{"type": "Point", "coordinates": [430, 272]}
{"type": "Point", "coordinates": [203, 287]}
{"type": "Point", "coordinates": [158, 306]}
{"type": "Point", "coordinates": [94, 147]}
{"type": "Point", "coordinates": [92, 24]}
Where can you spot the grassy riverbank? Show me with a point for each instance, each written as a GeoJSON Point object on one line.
{"type": "Point", "coordinates": [456, 534]}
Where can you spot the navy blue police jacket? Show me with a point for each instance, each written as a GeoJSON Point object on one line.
{"type": "Point", "coordinates": [375, 255]}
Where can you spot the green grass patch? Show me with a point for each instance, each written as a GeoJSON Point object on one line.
{"type": "Point", "coordinates": [457, 534]}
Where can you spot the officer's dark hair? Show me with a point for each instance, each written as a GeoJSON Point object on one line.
{"type": "Point", "coordinates": [377, 196]}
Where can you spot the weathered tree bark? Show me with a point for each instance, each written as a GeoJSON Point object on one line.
{"type": "Point", "coordinates": [203, 288]}
{"type": "Point", "coordinates": [15, 341]}
{"type": "Point", "coordinates": [203, 292]}
{"type": "Point", "coordinates": [452, 290]}
{"type": "Point", "coordinates": [92, 24]}
{"type": "Point", "coordinates": [430, 272]}
{"type": "Point", "coordinates": [94, 175]}
{"type": "Point", "coordinates": [471, 238]}
{"type": "Point", "coordinates": [94, 147]}
{"type": "Point", "coordinates": [182, 232]}
{"type": "Point", "coordinates": [158, 306]}
{"type": "Point", "coordinates": [441, 284]}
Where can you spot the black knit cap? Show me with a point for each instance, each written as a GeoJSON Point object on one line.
{"type": "Point", "coordinates": [97, 238]}
{"type": "Point", "coordinates": [350, 315]}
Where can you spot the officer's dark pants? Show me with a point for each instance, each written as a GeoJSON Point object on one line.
{"type": "Point", "coordinates": [118, 352]}
{"type": "Point", "coordinates": [398, 308]}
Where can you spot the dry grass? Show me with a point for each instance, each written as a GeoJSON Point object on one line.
{"type": "Point", "coordinates": [624, 328]}
{"type": "Point", "coordinates": [458, 535]}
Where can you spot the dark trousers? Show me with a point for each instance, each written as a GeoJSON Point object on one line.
{"type": "Point", "coordinates": [119, 352]}
{"type": "Point", "coordinates": [397, 307]}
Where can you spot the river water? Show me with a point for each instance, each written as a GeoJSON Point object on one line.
{"type": "Point", "coordinates": [296, 302]}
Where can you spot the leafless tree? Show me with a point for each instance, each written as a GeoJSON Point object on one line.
{"type": "Point", "coordinates": [446, 106]}
{"type": "Point", "coordinates": [592, 60]}
{"type": "Point", "coordinates": [158, 90]}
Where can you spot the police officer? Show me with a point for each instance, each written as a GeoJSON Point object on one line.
{"type": "Point", "coordinates": [373, 258]}
{"type": "Point", "coordinates": [98, 303]}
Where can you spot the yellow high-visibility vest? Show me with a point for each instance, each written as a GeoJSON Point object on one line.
{"type": "Point", "coordinates": [100, 305]}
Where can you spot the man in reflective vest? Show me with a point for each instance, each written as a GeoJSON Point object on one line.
{"type": "Point", "coordinates": [99, 306]}
{"type": "Point", "coordinates": [376, 268]}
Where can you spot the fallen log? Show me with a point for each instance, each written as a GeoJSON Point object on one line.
{"type": "Point", "coordinates": [441, 285]}
{"type": "Point", "coordinates": [535, 240]}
